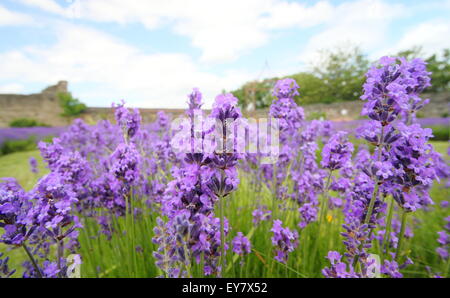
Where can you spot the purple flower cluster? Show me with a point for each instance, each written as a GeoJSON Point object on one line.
{"type": "Point", "coordinates": [403, 164]}
{"type": "Point", "coordinates": [194, 102]}
{"type": "Point", "coordinates": [5, 272]}
{"type": "Point", "coordinates": [261, 214]}
{"type": "Point", "coordinates": [40, 219]}
{"type": "Point", "coordinates": [338, 268]}
{"type": "Point", "coordinates": [241, 244]}
{"type": "Point", "coordinates": [297, 160]}
{"type": "Point", "coordinates": [129, 121]}
{"type": "Point", "coordinates": [33, 165]}
{"type": "Point", "coordinates": [413, 161]}
{"type": "Point", "coordinates": [392, 88]}
{"type": "Point", "coordinates": [337, 153]}
{"type": "Point", "coordinates": [14, 208]}
{"type": "Point", "coordinates": [95, 172]}
{"type": "Point", "coordinates": [200, 181]}
{"type": "Point", "coordinates": [125, 164]}
{"type": "Point", "coordinates": [128, 169]}
{"type": "Point", "coordinates": [284, 107]}
{"type": "Point", "coordinates": [284, 240]}
{"type": "Point", "coordinates": [444, 240]}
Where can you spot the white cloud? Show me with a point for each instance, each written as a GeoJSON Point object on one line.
{"type": "Point", "coordinates": [115, 69]}
{"type": "Point", "coordinates": [225, 30]}
{"type": "Point", "coordinates": [11, 88]}
{"type": "Point", "coordinates": [290, 14]}
{"type": "Point", "coordinates": [222, 30]}
{"type": "Point", "coordinates": [364, 23]}
{"type": "Point", "coordinates": [46, 5]}
{"type": "Point", "coordinates": [10, 18]}
{"type": "Point", "coordinates": [431, 35]}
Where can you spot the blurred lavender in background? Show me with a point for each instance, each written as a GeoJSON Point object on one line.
{"type": "Point", "coordinates": [22, 133]}
{"type": "Point", "coordinates": [40, 133]}
{"type": "Point", "coordinates": [350, 126]}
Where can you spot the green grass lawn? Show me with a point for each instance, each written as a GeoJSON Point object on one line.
{"type": "Point", "coordinates": [118, 257]}
{"type": "Point", "coordinates": [16, 165]}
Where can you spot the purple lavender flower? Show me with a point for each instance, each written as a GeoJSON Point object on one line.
{"type": "Point", "coordinates": [199, 182]}
{"type": "Point", "coordinates": [241, 244]}
{"type": "Point", "coordinates": [288, 113]}
{"type": "Point", "coordinates": [393, 87]}
{"type": "Point", "coordinates": [162, 122]}
{"type": "Point", "coordinates": [226, 156]}
{"type": "Point", "coordinates": [129, 121]}
{"type": "Point", "coordinates": [308, 214]}
{"type": "Point", "coordinates": [412, 158]}
{"type": "Point", "coordinates": [391, 268]}
{"type": "Point", "coordinates": [444, 241]}
{"type": "Point", "coordinates": [286, 88]}
{"type": "Point", "coordinates": [284, 240]}
{"type": "Point", "coordinates": [337, 152]}
{"type": "Point", "coordinates": [284, 107]}
{"type": "Point", "coordinates": [33, 165]}
{"type": "Point", "coordinates": [50, 269]}
{"type": "Point", "coordinates": [14, 207]}
{"type": "Point", "coordinates": [194, 102]}
{"type": "Point", "coordinates": [338, 269]}
{"type": "Point", "coordinates": [54, 201]}
{"type": "Point", "coordinates": [5, 272]}
{"type": "Point", "coordinates": [125, 163]}
{"type": "Point", "coordinates": [225, 108]}
{"type": "Point", "coordinates": [261, 214]}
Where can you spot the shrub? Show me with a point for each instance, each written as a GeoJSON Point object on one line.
{"type": "Point", "coordinates": [440, 133]}
{"type": "Point", "coordinates": [71, 106]}
{"type": "Point", "coordinates": [420, 115]}
{"type": "Point", "coordinates": [11, 146]}
{"type": "Point", "coordinates": [26, 122]}
{"type": "Point", "coordinates": [317, 116]}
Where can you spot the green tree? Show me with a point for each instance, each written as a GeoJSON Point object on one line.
{"type": "Point", "coordinates": [71, 106]}
{"type": "Point", "coordinates": [312, 88]}
{"type": "Point", "coordinates": [440, 69]}
{"type": "Point", "coordinates": [342, 71]}
{"type": "Point", "coordinates": [256, 94]}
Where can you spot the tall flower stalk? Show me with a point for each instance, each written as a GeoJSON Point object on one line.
{"type": "Point", "coordinates": [225, 157]}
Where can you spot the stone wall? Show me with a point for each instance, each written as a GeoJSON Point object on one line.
{"type": "Point", "coordinates": [44, 107]}
{"type": "Point", "coordinates": [351, 110]}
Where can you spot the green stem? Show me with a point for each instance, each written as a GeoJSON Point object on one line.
{"type": "Point", "coordinates": [274, 192]}
{"type": "Point", "coordinates": [368, 216]}
{"type": "Point", "coordinates": [323, 211]}
{"type": "Point", "coordinates": [388, 229]}
{"type": "Point", "coordinates": [447, 266]}
{"type": "Point", "coordinates": [222, 235]}
{"type": "Point", "coordinates": [60, 254]}
{"type": "Point", "coordinates": [377, 186]}
{"type": "Point", "coordinates": [372, 202]}
{"type": "Point", "coordinates": [374, 194]}
{"type": "Point", "coordinates": [133, 232]}
{"type": "Point", "coordinates": [401, 235]}
{"type": "Point", "coordinates": [187, 263]}
{"type": "Point", "coordinates": [33, 261]}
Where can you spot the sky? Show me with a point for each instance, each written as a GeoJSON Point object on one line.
{"type": "Point", "coordinates": [151, 53]}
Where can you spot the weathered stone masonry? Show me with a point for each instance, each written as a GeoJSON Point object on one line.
{"type": "Point", "coordinates": [44, 107]}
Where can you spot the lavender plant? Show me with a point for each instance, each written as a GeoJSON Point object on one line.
{"type": "Point", "coordinates": [114, 186]}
